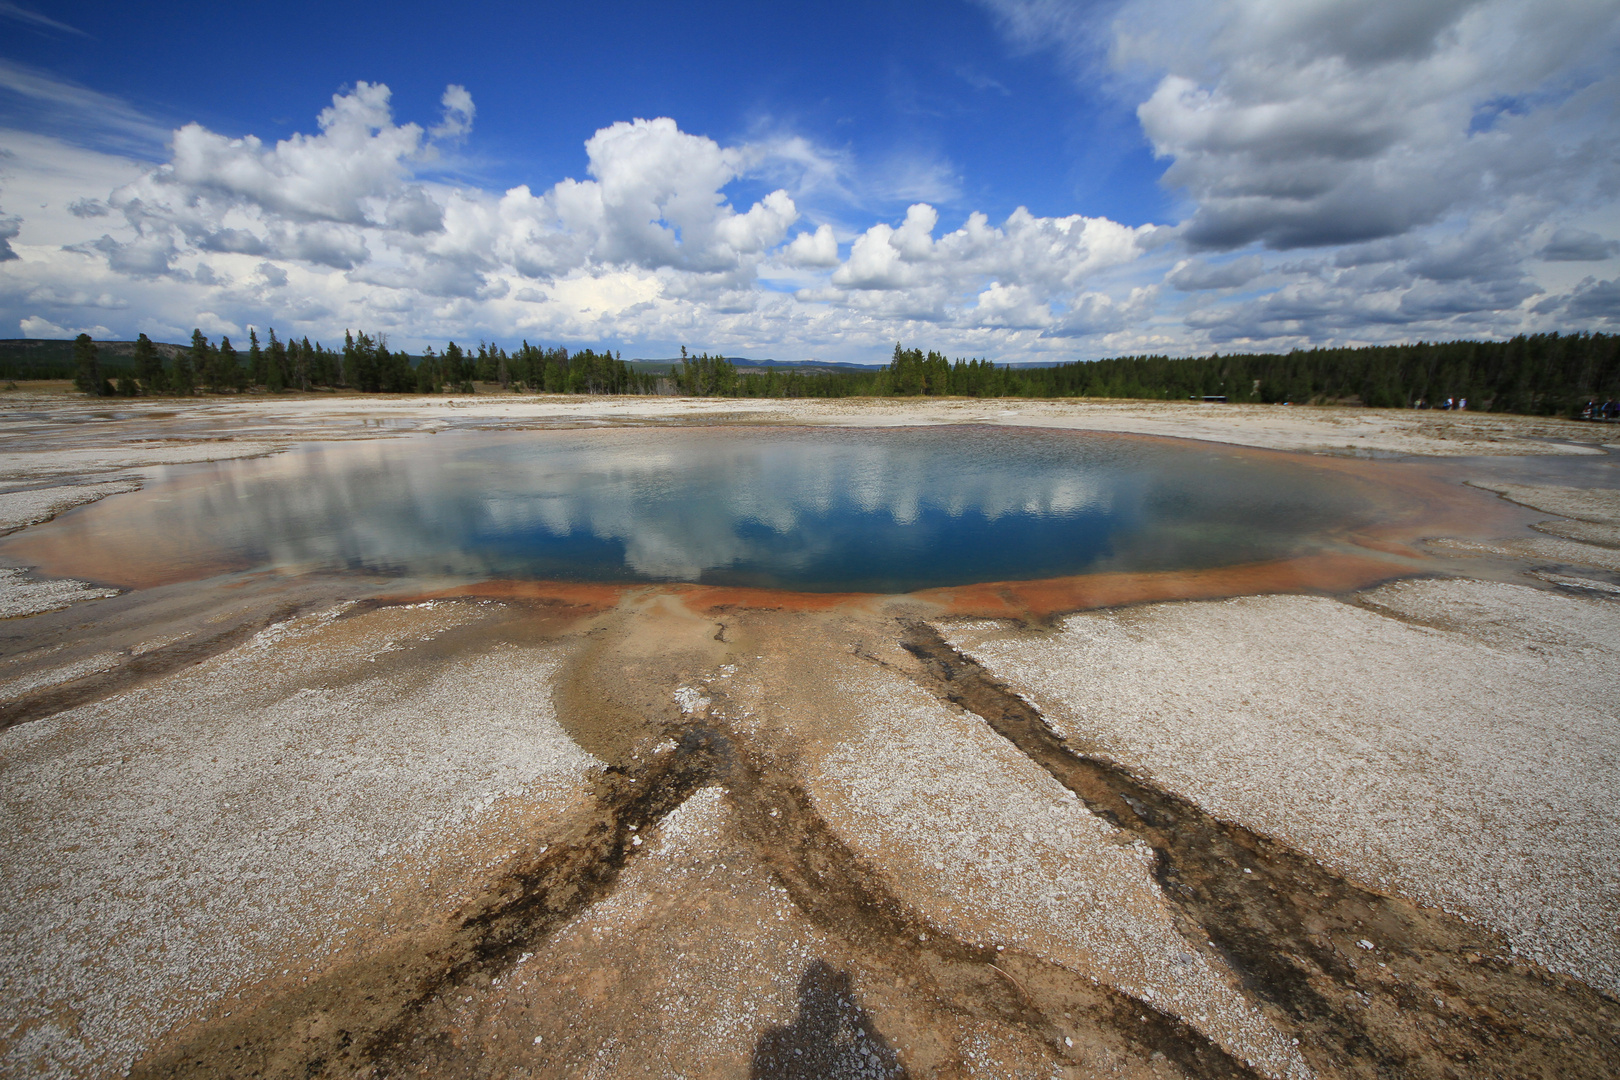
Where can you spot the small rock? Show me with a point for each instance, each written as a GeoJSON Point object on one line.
{"type": "Point", "coordinates": [1365, 944]}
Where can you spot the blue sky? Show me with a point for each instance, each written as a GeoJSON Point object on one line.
{"type": "Point", "coordinates": [902, 87]}
{"type": "Point", "coordinates": [1019, 179]}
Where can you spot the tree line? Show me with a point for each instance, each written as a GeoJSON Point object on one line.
{"type": "Point", "coordinates": [365, 363]}
{"type": "Point", "coordinates": [1538, 374]}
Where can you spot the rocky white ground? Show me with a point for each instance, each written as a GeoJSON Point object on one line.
{"type": "Point", "coordinates": [1457, 742]}
{"type": "Point", "coordinates": [246, 819]}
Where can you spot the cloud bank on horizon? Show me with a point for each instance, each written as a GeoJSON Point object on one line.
{"type": "Point", "coordinates": [1343, 171]}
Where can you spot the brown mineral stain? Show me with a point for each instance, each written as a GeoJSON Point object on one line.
{"type": "Point", "coordinates": [1320, 573]}
{"type": "Point", "coordinates": [1043, 599]}
{"type": "Point", "coordinates": [586, 596]}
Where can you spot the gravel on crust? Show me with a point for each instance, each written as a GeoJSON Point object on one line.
{"type": "Point", "coordinates": [34, 505]}
{"type": "Point", "coordinates": [12, 689]}
{"type": "Point", "coordinates": [1599, 506]}
{"type": "Point", "coordinates": [38, 464]}
{"type": "Point", "coordinates": [1584, 532]}
{"type": "Point", "coordinates": [1540, 550]}
{"type": "Point", "coordinates": [982, 841]}
{"type": "Point", "coordinates": [21, 595]}
{"type": "Point", "coordinates": [1593, 514]}
{"type": "Point", "coordinates": [1454, 741]}
{"type": "Point", "coordinates": [249, 817]}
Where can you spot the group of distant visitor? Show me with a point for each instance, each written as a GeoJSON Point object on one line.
{"type": "Point", "coordinates": [1609, 410]}
{"type": "Point", "coordinates": [1449, 404]}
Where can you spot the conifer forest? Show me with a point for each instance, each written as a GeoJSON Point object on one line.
{"type": "Point", "coordinates": [1540, 374]}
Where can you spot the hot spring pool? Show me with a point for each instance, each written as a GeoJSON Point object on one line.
{"type": "Point", "coordinates": [881, 510]}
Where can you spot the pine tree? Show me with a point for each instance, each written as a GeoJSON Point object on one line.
{"type": "Point", "coordinates": [183, 379]}
{"type": "Point", "coordinates": [202, 361]}
{"type": "Point", "coordinates": [427, 373]}
{"type": "Point", "coordinates": [315, 363]}
{"type": "Point", "coordinates": [256, 371]}
{"type": "Point", "coordinates": [149, 366]}
{"type": "Point", "coordinates": [87, 358]}
{"type": "Point", "coordinates": [237, 374]}
{"type": "Point", "coordinates": [457, 370]}
{"type": "Point", "coordinates": [348, 374]}
{"type": "Point", "coordinates": [393, 369]}
{"type": "Point", "coordinates": [226, 365]}
{"type": "Point", "coordinates": [367, 375]}
{"type": "Point", "coordinates": [275, 364]}
{"type": "Point", "coordinates": [298, 357]}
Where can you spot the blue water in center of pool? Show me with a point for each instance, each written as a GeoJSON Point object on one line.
{"type": "Point", "coordinates": [869, 509]}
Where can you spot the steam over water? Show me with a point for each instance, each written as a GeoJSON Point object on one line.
{"type": "Point", "coordinates": [819, 510]}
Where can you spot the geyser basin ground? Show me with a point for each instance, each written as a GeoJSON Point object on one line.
{"type": "Point", "coordinates": [876, 510]}
{"type": "Point", "coordinates": [281, 821]}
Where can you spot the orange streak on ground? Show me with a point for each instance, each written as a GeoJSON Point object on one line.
{"type": "Point", "coordinates": [45, 553]}
{"type": "Point", "coordinates": [1054, 596]}
{"type": "Point", "coordinates": [710, 598]}
{"type": "Point", "coordinates": [1323, 573]}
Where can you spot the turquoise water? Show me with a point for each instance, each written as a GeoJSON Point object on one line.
{"type": "Point", "coordinates": [822, 510]}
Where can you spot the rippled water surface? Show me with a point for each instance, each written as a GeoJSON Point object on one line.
{"type": "Point", "coordinates": [881, 510]}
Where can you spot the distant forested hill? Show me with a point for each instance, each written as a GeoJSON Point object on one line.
{"type": "Point", "coordinates": [35, 358]}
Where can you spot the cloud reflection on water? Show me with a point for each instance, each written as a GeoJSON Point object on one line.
{"type": "Point", "coordinates": [820, 510]}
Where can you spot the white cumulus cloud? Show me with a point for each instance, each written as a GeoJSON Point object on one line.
{"type": "Point", "coordinates": [1409, 160]}
{"type": "Point", "coordinates": [1345, 172]}
{"type": "Point", "coordinates": [813, 249]}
